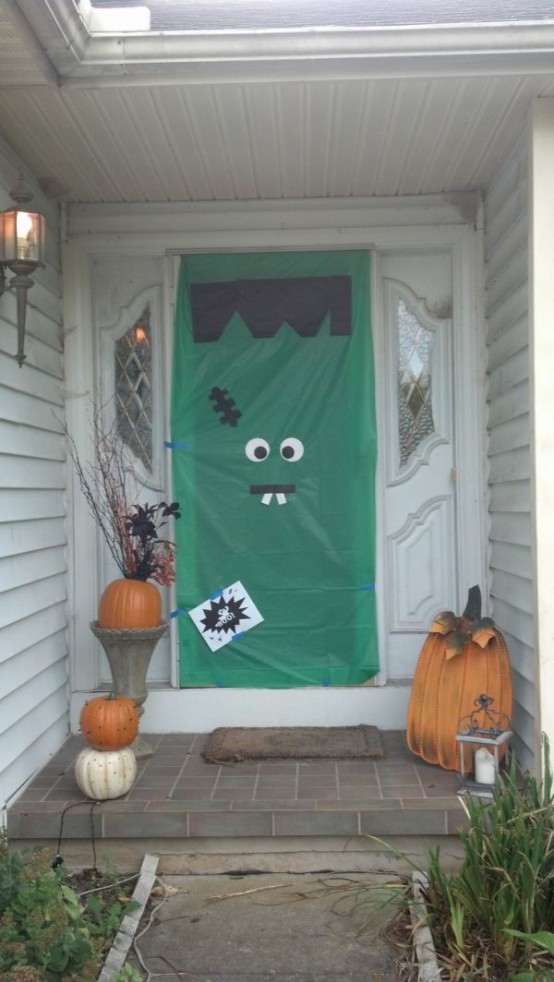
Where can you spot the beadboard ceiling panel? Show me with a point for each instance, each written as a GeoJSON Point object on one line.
{"type": "Point", "coordinates": [126, 140]}
{"type": "Point", "coordinates": [240, 142]}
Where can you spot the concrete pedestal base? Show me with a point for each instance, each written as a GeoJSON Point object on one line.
{"type": "Point", "coordinates": [129, 653]}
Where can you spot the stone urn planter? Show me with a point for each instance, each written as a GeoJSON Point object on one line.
{"type": "Point", "coordinates": [129, 653]}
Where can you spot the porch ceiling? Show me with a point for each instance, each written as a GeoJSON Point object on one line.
{"type": "Point", "coordinates": [264, 114]}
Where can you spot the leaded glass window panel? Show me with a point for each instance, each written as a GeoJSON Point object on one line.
{"type": "Point", "coordinates": [415, 407]}
{"type": "Point", "coordinates": [133, 388]}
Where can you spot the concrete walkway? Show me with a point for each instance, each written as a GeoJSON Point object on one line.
{"type": "Point", "coordinates": [271, 927]}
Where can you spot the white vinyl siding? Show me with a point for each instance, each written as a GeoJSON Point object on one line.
{"type": "Point", "coordinates": [510, 556]}
{"type": "Point", "coordinates": [33, 560]}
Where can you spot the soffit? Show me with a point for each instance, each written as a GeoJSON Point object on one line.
{"type": "Point", "coordinates": [259, 136]}
{"type": "Point", "coordinates": [22, 61]}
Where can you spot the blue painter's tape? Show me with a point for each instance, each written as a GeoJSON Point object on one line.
{"type": "Point", "coordinates": [326, 683]}
{"type": "Point", "coordinates": [177, 613]}
{"type": "Point", "coordinates": [176, 445]}
{"type": "Point", "coordinates": [367, 586]}
{"type": "Point", "coordinates": [216, 596]}
{"type": "Point", "coordinates": [219, 684]}
{"type": "Point", "coordinates": [237, 637]}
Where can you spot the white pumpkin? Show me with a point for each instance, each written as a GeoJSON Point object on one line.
{"type": "Point", "coordinates": [102, 774]}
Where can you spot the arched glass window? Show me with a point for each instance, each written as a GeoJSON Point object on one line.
{"type": "Point", "coordinates": [133, 388]}
{"type": "Point", "coordinates": [415, 408]}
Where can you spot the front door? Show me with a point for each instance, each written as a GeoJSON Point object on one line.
{"type": "Point", "coordinates": [273, 429]}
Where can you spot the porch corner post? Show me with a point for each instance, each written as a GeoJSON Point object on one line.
{"type": "Point", "coordinates": [541, 371]}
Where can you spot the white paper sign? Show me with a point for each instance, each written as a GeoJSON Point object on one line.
{"type": "Point", "coordinates": [222, 617]}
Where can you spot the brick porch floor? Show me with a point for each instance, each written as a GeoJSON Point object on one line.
{"type": "Point", "coordinates": [177, 795]}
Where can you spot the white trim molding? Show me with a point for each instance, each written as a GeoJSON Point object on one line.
{"type": "Point", "coordinates": [541, 337]}
{"type": "Point", "coordinates": [434, 222]}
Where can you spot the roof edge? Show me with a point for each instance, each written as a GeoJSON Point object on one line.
{"type": "Point", "coordinates": [80, 57]}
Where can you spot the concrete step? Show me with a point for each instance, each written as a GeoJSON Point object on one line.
{"type": "Point", "coordinates": [184, 808]}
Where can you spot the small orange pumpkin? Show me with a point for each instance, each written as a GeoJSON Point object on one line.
{"type": "Point", "coordinates": [109, 723]}
{"type": "Point", "coordinates": [461, 658]}
{"type": "Point", "coordinates": [128, 604]}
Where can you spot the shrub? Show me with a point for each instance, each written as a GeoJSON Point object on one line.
{"type": "Point", "coordinates": [488, 919]}
{"type": "Point", "coordinates": [46, 933]}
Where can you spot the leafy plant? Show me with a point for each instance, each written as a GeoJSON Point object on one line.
{"type": "Point", "coordinates": [46, 933]}
{"type": "Point", "coordinates": [493, 917]}
{"type": "Point", "coordinates": [106, 921]}
{"type": "Point", "coordinates": [41, 922]}
{"type": "Point", "coordinates": [128, 974]}
{"type": "Point", "coordinates": [543, 940]}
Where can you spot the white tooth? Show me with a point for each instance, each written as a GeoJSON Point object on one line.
{"type": "Point", "coordinates": [281, 498]}
{"type": "Point", "coordinates": [267, 498]}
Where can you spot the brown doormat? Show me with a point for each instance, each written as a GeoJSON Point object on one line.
{"type": "Point", "coordinates": [228, 745]}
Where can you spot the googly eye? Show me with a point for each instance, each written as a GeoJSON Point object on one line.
{"type": "Point", "coordinates": [291, 449]}
{"type": "Point", "coordinates": [257, 449]}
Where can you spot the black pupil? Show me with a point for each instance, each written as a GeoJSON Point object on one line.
{"type": "Point", "coordinates": [260, 453]}
{"type": "Point", "coordinates": [288, 452]}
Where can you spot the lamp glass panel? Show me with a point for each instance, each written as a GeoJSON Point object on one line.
{"type": "Point", "coordinates": [22, 236]}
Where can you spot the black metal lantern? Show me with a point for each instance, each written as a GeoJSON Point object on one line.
{"type": "Point", "coordinates": [22, 237]}
{"type": "Point", "coordinates": [483, 731]}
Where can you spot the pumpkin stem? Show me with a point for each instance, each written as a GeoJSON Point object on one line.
{"type": "Point", "coordinates": [473, 606]}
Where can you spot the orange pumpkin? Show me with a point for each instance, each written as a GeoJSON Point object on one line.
{"type": "Point", "coordinates": [108, 723]}
{"type": "Point", "coordinates": [130, 605]}
{"type": "Point", "coordinates": [461, 658]}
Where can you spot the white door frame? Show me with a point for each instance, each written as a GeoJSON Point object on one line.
{"type": "Point", "coordinates": [432, 222]}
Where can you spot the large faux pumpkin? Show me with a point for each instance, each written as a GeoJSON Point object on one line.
{"type": "Point", "coordinates": [128, 604]}
{"type": "Point", "coordinates": [102, 774]}
{"type": "Point", "coordinates": [462, 658]}
{"type": "Point", "coordinates": [109, 723]}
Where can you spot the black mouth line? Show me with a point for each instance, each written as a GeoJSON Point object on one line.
{"type": "Point", "coordinates": [272, 488]}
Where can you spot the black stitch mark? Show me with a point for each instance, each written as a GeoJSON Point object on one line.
{"type": "Point", "coordinates": [224, 405]}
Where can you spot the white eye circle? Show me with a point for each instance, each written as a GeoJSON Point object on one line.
{"type": "Point", "coordinates": [257, 449]}
{"type": "Point", "coordinates": [291, 449]}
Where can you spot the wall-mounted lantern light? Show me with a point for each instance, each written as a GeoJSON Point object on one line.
{"type": "Point", "coordinates": [22, 236]}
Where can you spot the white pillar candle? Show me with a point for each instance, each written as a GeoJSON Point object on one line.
{"type": "Point", "coordinates": [485, 770]}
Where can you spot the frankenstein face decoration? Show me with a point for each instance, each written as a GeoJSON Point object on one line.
{"type": "Point", "coordinates": [273, 393]}
{"type": "Point", "coordinates": [257, 450]}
